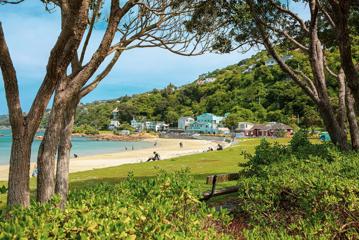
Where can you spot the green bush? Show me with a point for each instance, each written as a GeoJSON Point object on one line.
{"type": "Point", "coordinates": [300, 191]}
{"type": "Point", "coordinates": [164, 207]}
{"type": "Point", "coordinates": [86, 129]}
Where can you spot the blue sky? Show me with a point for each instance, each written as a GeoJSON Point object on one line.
{"type": "Point", "coordinates": [31, 32]}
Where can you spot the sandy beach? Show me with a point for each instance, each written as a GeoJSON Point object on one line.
{"type": "Point", "coordinates": [167, 148]}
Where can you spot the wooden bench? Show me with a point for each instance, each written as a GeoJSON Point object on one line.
{"type": "Point", "coordinates": [214, 179]}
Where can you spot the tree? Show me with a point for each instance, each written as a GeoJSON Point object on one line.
{"type": "Point", "coordinates": [231, 121]}
{"type": "Point", "coordinates": [249, 23]}
{"type": "Point", "coordinates": [338, 14]}
{"type": "Point", "coordinates": [24, 127]}
{"type": "Point", "coordinates": [138, 24]}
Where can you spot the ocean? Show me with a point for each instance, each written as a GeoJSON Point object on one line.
{"type": "Point", "coordinates": [80, 145]}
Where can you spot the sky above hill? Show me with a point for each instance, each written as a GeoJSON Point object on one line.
{"type": "Point", "coordinates": [31, 32]}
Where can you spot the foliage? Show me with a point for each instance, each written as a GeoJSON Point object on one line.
{"type": "Point", "coordinates": [164, 207]}
{"type": "Point", "coordinates": [300, 191]}
{"type": "Point", "coordinates": [86, 129]}
{"type": "Point", "coordinates": [249, 90]}
{"type": "Point", "coordinates": [126, 126]}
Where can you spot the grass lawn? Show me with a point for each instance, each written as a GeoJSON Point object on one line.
{"type": "Point", "coordinates": [200, 165]}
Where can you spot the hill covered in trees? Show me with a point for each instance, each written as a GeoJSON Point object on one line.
{"type": "Point", "coordinates": [255, 89]}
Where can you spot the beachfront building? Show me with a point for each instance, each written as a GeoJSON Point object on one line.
{"type": "Point", "coordinates": [185, 122]}
{"type": "Point", "coordinates": [138, 126]}
{"type": "Point", "coordinates": [224, 130]}
{"type": "Point", "coordinates": [244, 128]}
{"type": "Point", "coordinates": [271, 129]}
{"type": "Point", "coordinates": [206, 123]}
{"type": "Point", "coordinates": [114, 123]}
{"type": "Point", "coordinates": [156, 126]}
{"type": "Point", "coordinates": [149, 125]}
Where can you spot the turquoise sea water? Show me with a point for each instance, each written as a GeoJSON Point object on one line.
{"type": "Point", "coordinates": [80, 145]}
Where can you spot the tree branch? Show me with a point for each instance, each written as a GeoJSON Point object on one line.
{"type": "Point", "coordinates": [86, 90]}
{"type": "Point", "coordinates": [10, 84]}
{"type": "Point", "coordinates": [88, 36]}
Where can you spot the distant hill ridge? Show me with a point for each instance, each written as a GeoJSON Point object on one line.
{"type": "Point", "coordinates": [255, 90]}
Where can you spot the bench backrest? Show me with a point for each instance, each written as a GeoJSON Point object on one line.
{"type": "Point", "coordinates": [223, 177]}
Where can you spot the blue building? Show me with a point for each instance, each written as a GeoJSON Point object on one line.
{"type": "Point", "coordinates": [206, 123]}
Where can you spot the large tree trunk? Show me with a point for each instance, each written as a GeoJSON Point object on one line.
{"type": "Point", "coordinates": [341, 10]}
{"type": "Point", "coordinates": [46, 159]}
{"type": "Point", "coordinates": [63, 155]}
{"type": "Point", "coordinates": [337, 134]}
{"type": "Point", "coordinates": [19, 192]}
{"type": "Point", "coordinates": [24, 128]}
{"type": "Point", "coordinates": [353, 122]}
{"type": "Point", "coordinates": [316, 58]}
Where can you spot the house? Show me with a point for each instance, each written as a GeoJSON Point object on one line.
{"type": "Point", "coordinates": [125, 132]}
{"type": "Point", "coordinates": [138, 126]}
{"type": "Point", "coordinates": [249, 69]}
{"type": "Point", "coordinates": [271, 61]}
{"type": "Point", "coordinates": [156, 126]}
{"type": "Point", "coordinates": [272, 129]}
{"type": "Point", "coordinates": [205, 80]}
{"type": "Point", "coordinates": [279, 130]}
{"type": "Point", "coordinates": [244, 128]}
{"type": "Point", "coordinates": [224, 130]}
{"type": "Point", "coordinates": [206, 123]}
{"type": "Point", "coordinates": [114, 123]}
{"type": "Point", "coordinates": [185, 122]}
{"type": "Point", "coordinates": [259, 130]}
{"type": "Point", "coordinates": [149, 125]}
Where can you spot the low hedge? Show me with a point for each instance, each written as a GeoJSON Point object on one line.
{"type": "Point", "coordinates": [164, 207]}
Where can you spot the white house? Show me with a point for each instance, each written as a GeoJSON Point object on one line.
{"type": "Point", "coordinates": [185, 122]}
{"type": "Point", "coordinates": [272, 62]}
{"type": "Point", "coordinates": [114, 123]}
{"type": "Point", "coordinates": [149, 125]}
{"type": "Point", "coordinates": [139, 126]}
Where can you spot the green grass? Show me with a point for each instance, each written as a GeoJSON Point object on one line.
{"type": "Point", "coordinates": [200, 166]}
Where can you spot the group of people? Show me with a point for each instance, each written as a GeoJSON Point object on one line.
{"type": "Point", "coordinates": [219, 148]}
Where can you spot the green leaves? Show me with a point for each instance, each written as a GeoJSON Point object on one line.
{"type": "Point", "coordinates": [300, 191]}
{"type": "Point", "coordinates": [164, 207]}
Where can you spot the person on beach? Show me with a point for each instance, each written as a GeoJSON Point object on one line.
{"type": "Point", "coordinates": [219, 147]}
{"type": "Point", "coordinates": [181, 145]}
{"type": "Point", "coordinates": [125, 148]}
{"type": "Point", "coordinates": [133, 148]}
{"type": "Point", "coordinates": [155, 144]}
{"type": "Point", "coordinates": [75, 155]}
{"type": "Point", "coordinates": [155, 157]}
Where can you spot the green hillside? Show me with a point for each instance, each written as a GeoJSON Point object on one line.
{"type": "Point", "coordinates": [250, 90]}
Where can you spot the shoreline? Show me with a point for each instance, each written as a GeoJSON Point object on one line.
{"type": "Point", "coordinates": [167, 148]}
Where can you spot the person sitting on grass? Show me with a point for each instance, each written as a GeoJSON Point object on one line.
{"type": "Point", "coordinates": [220, 147]}
{"type": "Point", "coordinates": [155, 157]}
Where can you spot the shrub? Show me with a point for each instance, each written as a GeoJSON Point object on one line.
{"type": "Point", "coordinates": [311, 193]}
{"type": "Point", "coordinates": [164, 207]}
{"type": "Point", "coordinates": [86, 129]}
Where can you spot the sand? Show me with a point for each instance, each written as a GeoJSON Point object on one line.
{"type": "Point", "coordinates": [167, 148]}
